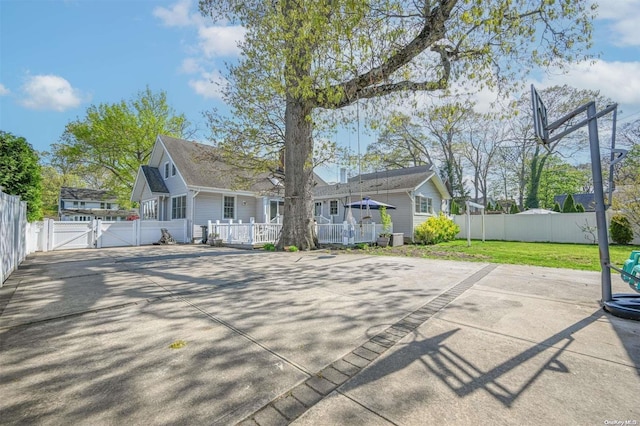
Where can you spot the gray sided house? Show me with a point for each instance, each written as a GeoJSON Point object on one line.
{"type": "Point", "coordinates": [83, 204]}
{"type": "Point", "coordinates": [188, 180]}
{"type": "Point", "coordinates": [417, 193]}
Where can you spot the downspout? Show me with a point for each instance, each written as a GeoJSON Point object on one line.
{"type": "Point", "coordinates": [193, 212]}
{"type": "Point", "coordinates": [412, 197]}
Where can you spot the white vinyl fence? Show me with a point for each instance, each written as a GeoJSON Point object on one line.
{"type": "Point", "coordinates": [579, 228]}
{"type": "Point", "coordinates": [65, 235]}
{"type": "Point", "coordinates": [14, 245]}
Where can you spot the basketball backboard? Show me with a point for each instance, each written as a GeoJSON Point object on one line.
{"type": "Point", "coordinates": [539, 117]}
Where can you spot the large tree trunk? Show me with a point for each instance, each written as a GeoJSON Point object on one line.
{"type": "Point", "coordinates": [298, 227]}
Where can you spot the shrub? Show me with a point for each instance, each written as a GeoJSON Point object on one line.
{"type": "Point", "coordinates": [620, 229]}
{"type": "Point", "coordinates": [455, 208]}
{"type": "Point", "coordinates": [436, 229]}
{"type": "Point", "coordinates": [514, 209]}
{"type": "Point", "coordinates": [579, 208]}
{"type": "Point", "coordinates": [385, 218]}
{"type": "Point", "coordinates": [269, 247]}
{"type": "Point", "coordinates": [556, 207]}
{"type": "Point", "coordinates": [569, 205]}
{"type": "Point", "coordinates": [291, 248]}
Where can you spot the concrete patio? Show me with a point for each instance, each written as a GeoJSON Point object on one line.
{"type": "Point", "coordinates": [202, 335]}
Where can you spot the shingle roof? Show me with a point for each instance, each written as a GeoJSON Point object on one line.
{"type": "Point", "coordinates": [371, 183]}
{"type": "Point", "coordinates": [67, 193]}
{"type": "Point", "coordinates": [588, 201]}
{"type": "Point", "coordinates": [202, 166]}
{"type": "Point", "coordinates": [154, 180]}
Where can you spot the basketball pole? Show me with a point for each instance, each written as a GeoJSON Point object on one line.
{"type": "Point", "coordinates": [601, 217]}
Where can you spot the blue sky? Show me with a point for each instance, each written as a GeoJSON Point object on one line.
{"type": "Point", "coordinates": [59, 57]}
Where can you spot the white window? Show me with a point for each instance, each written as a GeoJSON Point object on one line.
{"type": "Point", "coordinates": [82, 204]}
{"type": "Point", "coordinates": [317, 211]}
{"type": "Point", "coordinates": [166, 170]}
{"type": "Point", "coordinates": [333, 208]}
{"type": "Point", "coordinates": [179, 207]}
{"type": "Point", "coordinates": [424, 204]}
{"type": "Point", "coordinates": [150, 210]}
{"type": "Point", "coordinates": [173, 170]}
{"type": "Point", "coordinates": [75, 204]}
{"type": "Point", "coordinates": [229, 208]}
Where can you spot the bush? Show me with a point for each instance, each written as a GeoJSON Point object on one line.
{"type": "Point", "coordinates": [291, 248]}
{"type": "Point", "coordinates": [569, 205]}
{"type": "Point", "coordinates": [269, 247]}
{"type": "Point", "coordinates": [514, 209]}
{"type": "Point", "coordinates": [620, 229]}
{"type": "Point", "coordinates": [436, 229]}
{"type": "Point", "coordinates": [556, 207]}
{"type": "Point", "coordinates": [455, 208]}
{"type": "Point", "coordinates": [579, 208]}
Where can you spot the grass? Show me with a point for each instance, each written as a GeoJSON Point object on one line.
{"type": "Point", "coordinates": [569, 256]}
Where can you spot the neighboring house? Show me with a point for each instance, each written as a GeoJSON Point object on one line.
{"type": "Point", "coordinates": [188, 180]}
{"type": "Point", "coordinates": [417, 193]}
{"type": "Point", "coordinates": [82, 204]}
{"type": "Point", "coordinates": [588, 201]}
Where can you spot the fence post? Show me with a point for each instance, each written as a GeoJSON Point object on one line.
{"type": "Point", "coordinates": [374, 237]}
{"type": "Point", "coordinates": [49, 234]}
{"type": "Point", "coordinates": [218, 229]}
{"type": "Point", "coordinates": [230, 237]}
{"type": "Point", "coordinates": [209, 230]}
{"type": "Point", "coordinates": [138, 223]}
{"type": "Point", "coordinates": [345, 233]}
{"type": "Point", "coordinates": [251, 230]}
{"type": "Point", "coordinates": [97, 228]}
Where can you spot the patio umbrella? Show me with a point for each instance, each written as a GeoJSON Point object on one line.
{"type": "Point", "coordinates": [368, 203]}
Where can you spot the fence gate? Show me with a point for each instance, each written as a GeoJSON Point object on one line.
{"type": "Point", "coordinates": [72, 235]}
{"type": "Point", "coordinates": [116, 234]}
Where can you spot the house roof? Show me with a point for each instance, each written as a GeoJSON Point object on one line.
{"type": "Point", "coordinates": [67, 193]}
{"type": "Point", "coordinates": [588, 201]}
{"type": "Point", "coordinates": [202, 166]}
{"type": "Point", "coordinates": [154, 180]}
{"type": "Point", "coordinates": [396, 180]}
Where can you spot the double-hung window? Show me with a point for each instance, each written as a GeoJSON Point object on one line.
{"type": "Point", "coordinates": [333, 207]}
{"type": "Point", "coordinates": [179, 207]}
{"type": "Point", "coordinates": [166, 170]}
{"type": "Point", "coordinates": [229, 207]}
{"type": "Point", "coordinates": [424, 205]}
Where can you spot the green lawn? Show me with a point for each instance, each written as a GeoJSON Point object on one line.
{"type": "Point", "coordinates": [571, 256]}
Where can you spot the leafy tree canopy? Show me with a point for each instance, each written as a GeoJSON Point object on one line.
{"type": "Point", "coordinates": [110, 143]}
{"type": "Point", "coordinates": [328, 54]}
{"type": "Point", "coordinates": [20, 172]}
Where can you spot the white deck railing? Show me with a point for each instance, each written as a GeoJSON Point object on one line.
{"type": "Point", "coordinates": [261, 233]}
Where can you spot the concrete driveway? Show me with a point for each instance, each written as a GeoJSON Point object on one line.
{"type": "Point", "coordinates": [201, 335]}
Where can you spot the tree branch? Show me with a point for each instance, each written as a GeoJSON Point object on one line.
{"type": "Point", "coordinates": [367, 85]}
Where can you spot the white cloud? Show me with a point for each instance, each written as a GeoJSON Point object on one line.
{"type": "Point", "coordinates": [50, 92]}
{"type": "Point", "coordinates": [623, 17]}
{"type": "Point", "coordinates": [4, 90]}
{"type": "Point", "coordinates": [619, 81]}
{"type": "Point", "coordinates": [221, 40]}
{"type": "Point", "coordinates": [210, 85]}
{"type": "Point", "coordinates": [190, 66]}
{"type": "Point", "coordinates": [177, 15]}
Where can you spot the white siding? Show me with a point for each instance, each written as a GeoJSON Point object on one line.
{"type": "Point", "coordinates": [175, 184]}
{"type": "Point", "coordinates": [210, 207]}
{"type": "Point", "coordinates": [245, 208]}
